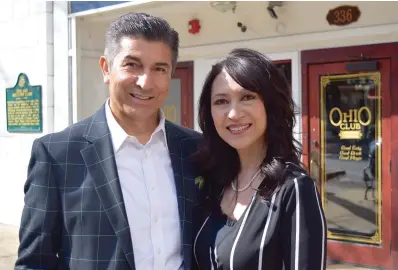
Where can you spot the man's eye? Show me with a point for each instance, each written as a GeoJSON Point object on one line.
{"type": "Point", "coordinates": [131, 64]}
{"type": "Point", "coordinates": [161, 69]}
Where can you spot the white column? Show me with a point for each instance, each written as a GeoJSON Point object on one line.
{"type": "Point", "coordinates": [74, 52]}
{"type": "Point", "coordinates": [26, 31]}
{"type": "Point", "coordinates": [62, 97]}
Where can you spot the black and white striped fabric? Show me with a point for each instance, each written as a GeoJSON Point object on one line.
{"type": "Point", "coordinates": [287, 233]}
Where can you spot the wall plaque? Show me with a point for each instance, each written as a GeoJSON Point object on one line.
{"type": "Point", "coordinates": [24, 106]}
{"type": "Point", "coordinates": [343, 15]}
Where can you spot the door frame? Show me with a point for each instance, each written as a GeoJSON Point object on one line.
{"type": "Point", "coordinates": [186, 92]}
{"type": "Point", "coordinates": [341, 54]}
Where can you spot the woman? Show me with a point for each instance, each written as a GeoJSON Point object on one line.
{"type": "Point", "coordinates": [260, 209]}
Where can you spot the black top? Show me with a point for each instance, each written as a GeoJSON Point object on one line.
{"type": "Point", "coordinates": [289, 232]}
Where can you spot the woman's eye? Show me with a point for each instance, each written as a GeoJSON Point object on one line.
{"type": "Point", "coordinates": [248, 97]}
{"type": "Point", "coordinates": [220, 101]}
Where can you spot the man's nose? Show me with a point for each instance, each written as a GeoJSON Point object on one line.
{"type": "Point", "coordinates": [144, 81]}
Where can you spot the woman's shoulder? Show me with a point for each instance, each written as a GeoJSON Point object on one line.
{"type": "Point", "coordinates": [296, 181]}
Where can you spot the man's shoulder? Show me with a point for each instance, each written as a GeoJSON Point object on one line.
{"type": "Point", "coordinates": [183, 132]}
{"type": "Point", "coordinates": [188, 139]}
{"type": "Point", "coordinates": [71, 135]}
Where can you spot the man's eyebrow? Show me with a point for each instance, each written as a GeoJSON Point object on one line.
{"type": "Point", "coordinates": [162, 64]}
{"type": "Point", "coordinates": [133, 58]}
{"type": "Point", "coordinates": [137, 59]}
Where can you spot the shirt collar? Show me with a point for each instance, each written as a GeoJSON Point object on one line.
{"type": "Point", "coordinates": [118, 134]}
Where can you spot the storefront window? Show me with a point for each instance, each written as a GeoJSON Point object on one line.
{"type": "Point", "coordinates": [172, 106]}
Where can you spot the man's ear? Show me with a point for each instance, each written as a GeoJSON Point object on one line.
{"type": "Point", "coordinates": [105, 68]}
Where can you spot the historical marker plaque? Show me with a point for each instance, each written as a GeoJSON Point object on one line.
{"type": "Point", "coordinates": [24, 107]}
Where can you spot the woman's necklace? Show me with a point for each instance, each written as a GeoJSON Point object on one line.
{"type": "Point", "coordinates": [248, 185]}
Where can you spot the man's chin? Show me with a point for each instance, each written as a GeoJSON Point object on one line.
{"type": "Point", "coordinates": [139, 114]}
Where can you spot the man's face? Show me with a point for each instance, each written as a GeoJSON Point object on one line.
{"type": "Point", "coordinates": [139, 78]}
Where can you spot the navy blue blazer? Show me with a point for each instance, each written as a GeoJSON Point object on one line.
{"type": "Point", "coordinates": [74, 215]}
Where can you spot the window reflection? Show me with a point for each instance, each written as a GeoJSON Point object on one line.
{"type": "Point", "coordinates": [172, 106]}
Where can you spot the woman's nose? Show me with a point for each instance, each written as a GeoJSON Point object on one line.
{"type": "Point", "coordinates": [234, 113]}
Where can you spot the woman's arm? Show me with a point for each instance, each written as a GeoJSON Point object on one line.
{"type": "Point", "coordinates": [303, 227]}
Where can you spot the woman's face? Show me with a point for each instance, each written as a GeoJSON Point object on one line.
{"type": "Point", "coordinates": [239, 115]}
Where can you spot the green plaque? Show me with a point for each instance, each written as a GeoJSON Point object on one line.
{"type": "Point", "coordinates": [24, 108]}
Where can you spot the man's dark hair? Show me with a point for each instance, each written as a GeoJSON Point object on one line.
{"type": "Point", "coordinates": [140, 25]}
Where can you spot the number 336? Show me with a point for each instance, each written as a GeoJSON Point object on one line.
{"type": "Point", "coordinates": [342, 16]}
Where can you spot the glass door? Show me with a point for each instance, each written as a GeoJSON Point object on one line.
{"type": "Point", "coordinates": [351, 154]}
{"type": "Point", "coordinates": [349, 158]}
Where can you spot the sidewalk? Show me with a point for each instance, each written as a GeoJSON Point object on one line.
{"type": "Point", "coordinates": [9, 246]}
{"type": "Point", "coordinates": [345, 267]}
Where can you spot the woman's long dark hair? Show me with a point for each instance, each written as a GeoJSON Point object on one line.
{"type": "Point", "coordinates": [217, 161]}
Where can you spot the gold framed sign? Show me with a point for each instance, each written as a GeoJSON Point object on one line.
{"type": "Point", "coordinates": [350, 125]}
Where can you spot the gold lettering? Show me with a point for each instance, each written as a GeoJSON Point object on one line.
{"type": "Point", "coordinates": [360, 116]}
{"type": "Point", "coordinates": [23, 112]}
{"type": "Point", "coordinates": [351, 120]}
{"type": "Point", "coordinates": [345, 148]}
{"type": "Point", "coordinates": [335, 109]}
{"type": "Point", "coordinates": [344, 155]}
{"type": "Point", "coordinates": [18, 93]}
{"type": "Point", "coordinates": [349, 116]}
{"type": "Point", "coordinates": [350, 126]}
{"type": "Point", "coordinates": [352, 152]}
{"type": "Point", "coordinates": [171, 113]}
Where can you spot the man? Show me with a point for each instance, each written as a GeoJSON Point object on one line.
{"type": "Point", "coordinates": [116, 190]}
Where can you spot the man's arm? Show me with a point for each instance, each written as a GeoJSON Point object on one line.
{"type": "Point", "coordinates": [40, 230]}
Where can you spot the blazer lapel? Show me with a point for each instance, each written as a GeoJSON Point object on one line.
{"type": "Point", "coordinates": [185, 187]}
{"type": "Point", "coordinates": [174, 145]}
{"type": "Point", "coordinates": [101, 166]}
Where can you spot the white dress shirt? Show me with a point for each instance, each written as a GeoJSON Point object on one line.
{"type": "Point", "coordinates": [147, 181]}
